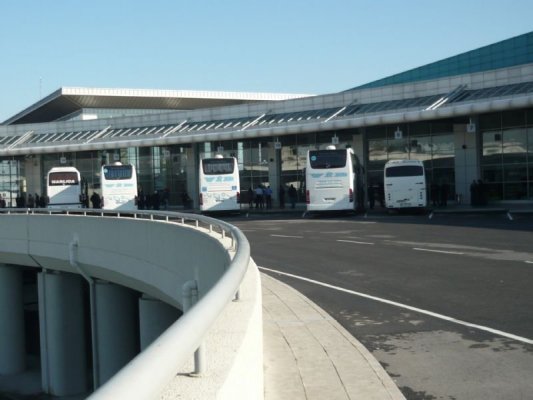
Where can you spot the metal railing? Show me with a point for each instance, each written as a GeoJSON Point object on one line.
{"type": "Point", "coordinates": [149, 372]}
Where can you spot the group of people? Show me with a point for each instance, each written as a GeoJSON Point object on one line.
{"type": "Point", "coordinates": [152, 201]}
{"type": "Point", "coordinates": [261, 196]}
{"type": "Point", "coordinates": [439, 193]}
{"type": "Point", "coordinates": [30, 201]}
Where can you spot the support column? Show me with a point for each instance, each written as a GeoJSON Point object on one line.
{"type": "Point", "coordinates": [117, 326]}
{"type": "Point", "coordinates": [12, 343]}
{"type": "Point", "coordinates": [62, 331]}
{"type": "Point", "coordinates": [466, 158]}
{"type": "Point", "coordinates": [274, 171]}
{"type": "Point", "coordinates": [154, 318]}
{"type": "Point", "coordinates": [360, 149]}
{"type": "Point", "coordinates": [192, 174]}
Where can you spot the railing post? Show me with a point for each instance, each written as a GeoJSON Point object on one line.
{"type": "Point", "coordinates": [190, 296]}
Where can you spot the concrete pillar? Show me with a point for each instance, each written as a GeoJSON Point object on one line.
{"type": "Point", "coordinates": [274, 171]}
{"type": "Point", "coordinates": [360, 149]}
{"type": "Point", "coordinates": [154, 318]}
{"type": "Point", "coordinates": [358, 144]}
{"type": "Point", "coordinates": [466, 158]}
{"type": "Point", "coordinates": [117, 326]}
{"type": "Point", "coordinates": [12, 343]}
{"type": "Point", "coordinates": [192, 174]}
{"type": "Point", "coordinates": [62, 330]}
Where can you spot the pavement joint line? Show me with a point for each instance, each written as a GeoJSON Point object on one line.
{"type": "Point", "coordinates": [288, 236]}
{"type": "Point", "coordinates": [353, 241]}
{"type": "Point", "coordinates": [405, 306]}
{"type": "Point", "coordinates": [438, 251]}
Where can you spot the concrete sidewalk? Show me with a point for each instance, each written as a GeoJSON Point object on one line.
{"type": "Point", "coordinates": [308, 355]}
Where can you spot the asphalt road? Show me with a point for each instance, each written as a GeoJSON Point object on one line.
{"type": "Point", "coordinates": [450, 309]}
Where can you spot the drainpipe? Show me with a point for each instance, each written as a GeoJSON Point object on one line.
{"type": "Point", "coordinates": [73, 253]}
{"type": "Point", "coordinates": [190, 296]}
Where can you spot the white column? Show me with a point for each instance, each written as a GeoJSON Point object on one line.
{"type": "Point", "coordinates": [117, 328]}
{"type": "Point", "coordinates": [154, 318]}
{"type": "Point", "coordinates": [12, 343]}
{"type": "Point", "coordinates": [274, 171]}
{"type": "Point", "coordinates": [466, 159]}
{"type": "Point", "coordinates": [62, 331]}
{"type": "Point", "coordinates": [192, 174]}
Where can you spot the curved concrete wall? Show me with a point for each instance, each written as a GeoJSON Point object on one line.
{"type": "Point", "coordinates": [152, 257]}
{"type": "Point", "coordinates": [155, 258]}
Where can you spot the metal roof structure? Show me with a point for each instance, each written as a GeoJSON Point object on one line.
{"type": "Point", "coordinates": [515, 51]}
{"type": "Point", "coordinates": [68, 100]}
{"type": "Point", "coordinates": [458, 101]}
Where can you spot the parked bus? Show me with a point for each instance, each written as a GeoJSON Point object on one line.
{"type": "Point", "coordinates": [333, 180]}
{"type": "Point", "coordinates": [63, 188]}
{"type": "Point", "coordinates": [219, 184]}
{"type": "Point", "coordinates": [404, 182]}
{"type": "Point", "coordinates": [118, 183]}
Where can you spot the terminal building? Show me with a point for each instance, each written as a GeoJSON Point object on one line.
{"type": "Point", "coordinates": [468, 118]}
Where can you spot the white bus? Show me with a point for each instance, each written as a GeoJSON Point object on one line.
{"type": "Point", "coordinates": [404, 182]}
{"type": "Point", "coordinates": [219, 184]}
{"type": "Point", "coordinates": [118, 183]}
{"type": "Point", "coordinates": [63, 188]}
{"type": "Point", "coordinates": [333, 181]}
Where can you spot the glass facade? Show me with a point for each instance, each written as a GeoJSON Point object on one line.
{"type": "Point", "coordinates": [507, 53]}
{"type": "Point", "coordinates": [430, 142]}
{"type": "Point", "coordinates": [505, 159]}
{"type": "Point", "coordinates": [99, 113]}
{"type": "Point", "coordinates": [507, 155]}
{"type": "Point", "coordinates": [12, 182]}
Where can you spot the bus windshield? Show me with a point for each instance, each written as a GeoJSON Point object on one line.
{"type": "Point", "coordinates": [116, 172]}
{"type": "Point", "coordinates": [218, 166]}
{"type": "Point", "coordinates": [324, 159]}
{"type": "Point", "coordinates": [404, 170]}
{"type": "Point", "coordinates": [63, 178]}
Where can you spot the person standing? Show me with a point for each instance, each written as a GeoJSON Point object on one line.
{"type": "Point", "coordinates": [292, 195]}
{"type": "Point", "coordinates": [268, 197]}
{"type": "Point", "coordinates": [371, 199]}
{"type": "Point", "coordinates": [434, 193]}
{"type": "Point", "coordinates": [474, 193]}
{"type": "Point", "coordinates": [31, 201]}
{"type": "Point", "coordinates": [281, 195]}
{"type": "Point", "coordinates": [259, 197]}
{"type": "Point", "coordinates": [250, 197]}
{"type": "Point", "coordinates": [95, 199]}
{"type": "Point", "coordinates": [444, 190]}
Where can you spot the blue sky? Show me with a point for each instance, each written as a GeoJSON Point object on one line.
{"type": "Point", "coordinates": [289, 46]}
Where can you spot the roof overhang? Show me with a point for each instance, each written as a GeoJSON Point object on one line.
{"type": "Point", "coordinates": [457, 110]}
{"type": "Point", "coordinates": [68, 100]}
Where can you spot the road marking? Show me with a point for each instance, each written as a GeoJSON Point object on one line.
{"type": "Point", "coordinates": [529, 262]}
{"type": "Point", "coordinates": [353, 241]}
{"type": "Point", "coordinates": [288, 236]}
{"type": "Point", "coordinates": [407, 307]}
{"type": "Point", "coordinates": [438, 251]}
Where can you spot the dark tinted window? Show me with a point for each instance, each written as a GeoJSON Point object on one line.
{"type": "Point", "coordinates": [217, 166]}
{"type": "Point", "coordinates": [62, 178]}
{"type": "Point", "coordinates": [404, 170]}
{"type": "Point", "coordinates": [323, 159]}
{"type": "Point", "coordinates": [116, 172]}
